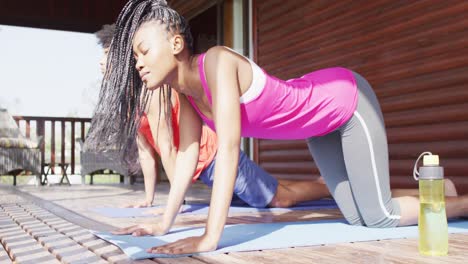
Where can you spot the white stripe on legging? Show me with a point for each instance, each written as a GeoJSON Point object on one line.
{"type": "Point", "coordinates": [374, 167]}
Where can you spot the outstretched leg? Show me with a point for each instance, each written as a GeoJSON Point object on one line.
{"type": "Point", "coordinates": [258, 188]}
{"type": "Point", "coordinates": [290, 193]}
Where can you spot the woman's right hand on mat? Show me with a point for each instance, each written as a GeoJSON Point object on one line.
{"type": "Point", "coordinates": [142, 230]}
{"type": "Point", "coordinates": [138, 204]}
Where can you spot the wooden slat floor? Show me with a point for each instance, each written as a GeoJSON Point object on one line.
{"type": "Point", "coordinates": [51, 225]}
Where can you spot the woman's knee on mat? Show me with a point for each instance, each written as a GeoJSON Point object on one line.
{"type": "Point", "coordinates": [378, 218]}
{"type": "Point", "coordinates": [354, 219]}
{"type": "Point", "coordinates": [381, 221]}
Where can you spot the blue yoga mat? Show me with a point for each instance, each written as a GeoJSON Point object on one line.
{"type": "Point", "coordinates": [250, 237]}
{"type": "Point", "coordinates": [203, 209]}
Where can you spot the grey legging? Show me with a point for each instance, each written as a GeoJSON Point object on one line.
{"type": "Point", "coordinates": [353, 160]}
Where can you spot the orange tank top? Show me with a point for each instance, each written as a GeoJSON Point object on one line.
{"type": "Point", "coordinates": [208, 140]}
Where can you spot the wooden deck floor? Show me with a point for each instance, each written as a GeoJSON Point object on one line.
{"type": "Point", "coordinates": [50, 225]}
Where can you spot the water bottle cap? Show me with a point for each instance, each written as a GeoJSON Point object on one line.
{"type": "Point", "coordinates": [431, 173]}
{"type": "Point", "coordinates": [431, 160]}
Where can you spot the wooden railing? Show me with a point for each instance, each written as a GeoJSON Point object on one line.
{"type": "Point", "coordinates": [46, 127]}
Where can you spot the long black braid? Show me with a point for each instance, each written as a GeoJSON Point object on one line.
{"type": "Point", "coordinates": [123, 96]}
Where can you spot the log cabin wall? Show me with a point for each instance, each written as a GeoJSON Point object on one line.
{"type": "Point", "coordinates": [82, 16]}
{"type": "Point", "coordinates": [413, 53]}
{"type": "Point", "coordinates": [192, 8]}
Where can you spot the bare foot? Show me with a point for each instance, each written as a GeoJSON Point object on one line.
{"type": "Point", "coordinates": [320, 180]}
{"type": "Point", "coordinates": [450, 189]}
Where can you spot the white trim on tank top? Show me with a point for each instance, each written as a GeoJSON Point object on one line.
{"type": "Point", "coordinates": [257, 85]}
{"type": "Point", "coordinates": [258, 81]}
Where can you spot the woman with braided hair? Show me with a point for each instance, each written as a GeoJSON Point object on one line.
{"type": "Point", "coordinates": [254, 186]}
{"type": "Point", "coordinates": [333, 109]}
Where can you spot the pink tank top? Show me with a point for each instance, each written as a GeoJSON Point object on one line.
{"type": "Point", "coordinates": [312, 105]}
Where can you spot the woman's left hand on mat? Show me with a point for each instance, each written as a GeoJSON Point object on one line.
{"type": "Point", "coordinates": [142, 230]}
{"type": "Point", "coordinates": [186, 245]}
{"type": "Point", "coordinates": [159, 211]}
{"type": "Point", "coordinates": [138, 204]}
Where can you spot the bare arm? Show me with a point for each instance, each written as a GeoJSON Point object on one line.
{"type": "Point", "coordinates": [162, 134]}
{"type": "Point", "coordinates": [148, 166]}
{"type": "Point", "coordinates": [146, 153]}
{"type": "Point", "coordinates": [224, 85]}
{"type": "Point", "coordinates": [186, 160]}
{"type": "Point", "coordinates": [223, 79]}
{"type": "Point", "coordinates": [226, 115]}
{"type": "Point", "coordinates": [185, 164]}
{"type": "Point", "coordinates": [164, 141]}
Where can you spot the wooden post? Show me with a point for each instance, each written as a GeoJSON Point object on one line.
{"type": "Point", "coordinates": [28, 129]}
{"type": "Point", "coordinates": [40, 132]}
{"type": "Point", "coordinates": [62, 139]}
{"type": "Point", "coordinates": [52, 147]}
{"type": "Point", "coordinates": [82, 130]}
{"type": "Point", "coordinates": [228, 30]}
{"type": "Point", "coordinates": [72, 150]}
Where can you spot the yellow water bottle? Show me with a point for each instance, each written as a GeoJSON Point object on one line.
{"type": "Point", "coordinates": [432, 222]}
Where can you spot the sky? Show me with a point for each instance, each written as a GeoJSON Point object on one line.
{"type": "Point", "coordinates": [48, 72]}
